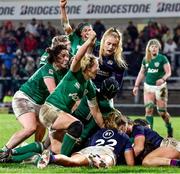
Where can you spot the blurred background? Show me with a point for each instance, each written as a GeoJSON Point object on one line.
{"type": "Point", "coordinates": [27, 27]}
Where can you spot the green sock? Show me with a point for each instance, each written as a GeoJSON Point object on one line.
{"type": "Point", "coordinates": [67, 144]}
{"type": "Point", "coordinates": [169, 129]}
{"type": "Point", "coordinates": [33, 147]}
{"type": "Point", "coordinates": [20, 158]}
{"type": "Point", "coordinates": [150, 120]}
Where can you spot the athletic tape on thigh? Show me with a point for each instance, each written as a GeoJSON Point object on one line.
{"type": "Point", "coordinates": [149, 105]}
{"type": "Point", "coordinates": [51, 131]}
{"type": "Point", "coordinates": [161, 109]}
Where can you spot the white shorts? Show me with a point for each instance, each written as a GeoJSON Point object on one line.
{"type": "Point", "coordinates": [170, 142]}
{"type": "Point", "coordinates": [99, 150]}
{"type": "Point", "coordinates": [21, 104]}
{"type": "Point", "coordinates": [48, 114]}
{"type": "Point", "coordinates": [161, 92]}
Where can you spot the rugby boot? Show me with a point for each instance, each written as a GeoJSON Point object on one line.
{"type": "Point", "coordinates": [5, 155]}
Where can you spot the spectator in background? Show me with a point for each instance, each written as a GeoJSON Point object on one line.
{"type": "Point", "coordinates": [20, 32]}
{"type": "Point", "coordinates": [41, 29]}
{"type": "Point", "coordinates": [51, 31]}
{"type": "Point", "coordinates": [7, 99]}
{"type": "Point", "coordinates": [176, 37]}
{"type": "Point", "coordinates": [99, 28]}
{"type": "Point", "coordinates": [166, 36]}
{"type": "Point", "coordinates": [169, 49]}
{"type": "Point", "coordinates": [7, 58]}
{"type": "Point", "coordinates": [32, 27]}
{"type": "Point", "coordinates": [30, 43]}
{"type": "Point", "coordinates": [132, 31]}
{"type": "Point", "coordinates": [30, 66]}
{"type": "Point", "coordinates": [2, 47]}
{"type": "Point", "coordinates": [10, 41]}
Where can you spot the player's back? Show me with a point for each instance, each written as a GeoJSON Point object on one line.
{"type": "Point", "coordinates": [118, 142]}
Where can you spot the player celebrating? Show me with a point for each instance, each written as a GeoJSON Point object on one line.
{"type": "Point", "coordinates": [57, 40]}
{"type": "Point", "coordinates": [79, 35]}
{"type": "Point", "coordinates": [156, 70]}
{"type": "Point", "coordinates": [32, 94]}
{"type": "Point", "coordinates": [55, 114]}
{"type": "Point", "coordinates": [107, 92]}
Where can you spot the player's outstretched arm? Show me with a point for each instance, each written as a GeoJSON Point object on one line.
{"type": "Point", "coordinates": [75, 65]}
{"type": "Point", "coordinates": [64, 18]}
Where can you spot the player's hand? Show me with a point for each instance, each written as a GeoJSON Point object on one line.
{"type": "Point", "coordinates": [159, 82]}
{"type": "Point", "coordinates": [63, 3]}
{"type": "Point", "coordinates": [92, 35]}
{"type": "Point", "coordinates": [135, 90]}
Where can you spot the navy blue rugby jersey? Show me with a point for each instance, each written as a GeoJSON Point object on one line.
{"type": "Point", "coordinates": [151, 136]}
{"type": "Point", "coordinates": [109, 68]}
{"type": "Point", "coordinates": [118, 142]}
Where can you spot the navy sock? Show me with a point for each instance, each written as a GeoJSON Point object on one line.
{"type": "Point", "coordinates": [175, 162]}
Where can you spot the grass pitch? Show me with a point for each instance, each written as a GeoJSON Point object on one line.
{"type": "Point", "coordinates": [8, 125]}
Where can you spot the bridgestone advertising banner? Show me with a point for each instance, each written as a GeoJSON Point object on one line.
{"type": "Point", "coordinates": [90, 9]}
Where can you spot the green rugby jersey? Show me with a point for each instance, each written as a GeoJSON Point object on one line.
{"type": "Point", "coordinates": [71, 89]}
{"type": "Point", "coordinates": [43, 59]}
{"type": "Point", "coordinates": [154, 69]}
{"type": "Point", "coordinates": [77, 41]}
{"type": "Point", "coordinates": [83, 112]}
{"type": "Point", "coordinates": [35, 87]}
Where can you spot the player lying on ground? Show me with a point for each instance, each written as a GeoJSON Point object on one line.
{"type": "Point", "coordinates": [106, 146]}
{"type": "Point", "coordinates": [151, 149]}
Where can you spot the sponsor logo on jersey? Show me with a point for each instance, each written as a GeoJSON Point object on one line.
{"type": "Point", "coordinates": [152, 70]}
{"type": "Point", "coordinates": [85, 92]}
{"type": "Point", "coordinates": [109, 62]}
{"type": "Point", "coordinates": [108, 134]}
{"type": "Point", "coordinates": [51, 71]}
{"type": "Point", "coordinates": [74, 96]}
{"type": "Point", "coordinates": [156, 64]}
{"type": "Point", "coordinates": [77, 85]}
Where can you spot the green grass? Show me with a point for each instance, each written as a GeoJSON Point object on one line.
{"type": "Point", "coordinates": [9, 125]}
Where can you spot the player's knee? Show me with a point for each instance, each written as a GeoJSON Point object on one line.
{"type": "Point", "coordinates": [75, 129]}
{"type": "Point", "coordinates": [146, 162]}
{"type": "Point", "coordinates": [149, 106]}
{"type": "Point", "coordinates": [30, 130]}
{"type": "Point", "coordinates": [162, 112]}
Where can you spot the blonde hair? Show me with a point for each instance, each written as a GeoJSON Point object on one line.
{"type": "Point", "coordinates": [57, 40]}
{"type": "Point", "coordinates": [114, 120]}
{"type": "Point", "coordinates": [148, 55]}
{"type": "Point", "coordinates": [88, 61]}
{"type": "Point", "coordinates": [118, 53]}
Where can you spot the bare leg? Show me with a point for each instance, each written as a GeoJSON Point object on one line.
{"type": "Point", "coordinates": [40, 132]}
{"type": "Point", "coordinates": [29, 123]}
{"type": "Point", "coordinates": [161, 157]}
{"type": "Point", "coordinates": [56, 141]}
{"type": "Point", "coordinates": [149, 107]}
{"type": "Point", "coordinates": [73, 161]}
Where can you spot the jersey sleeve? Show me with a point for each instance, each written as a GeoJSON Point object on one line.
{"type": "Point", "coordinates": [47, 71]}
{"type": "Point", "coordinates": [91, 95]}
{"type": "Point", "coordinates": [128, 145]}
{"type": "Point", "coordinates": [43, 59]}
{"type": "Point", "coordinates": [165, 60]}
{"type": "Point", "coordinates": [143, 64]}
{"type": "Point", "coordinates": [138, 131]}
